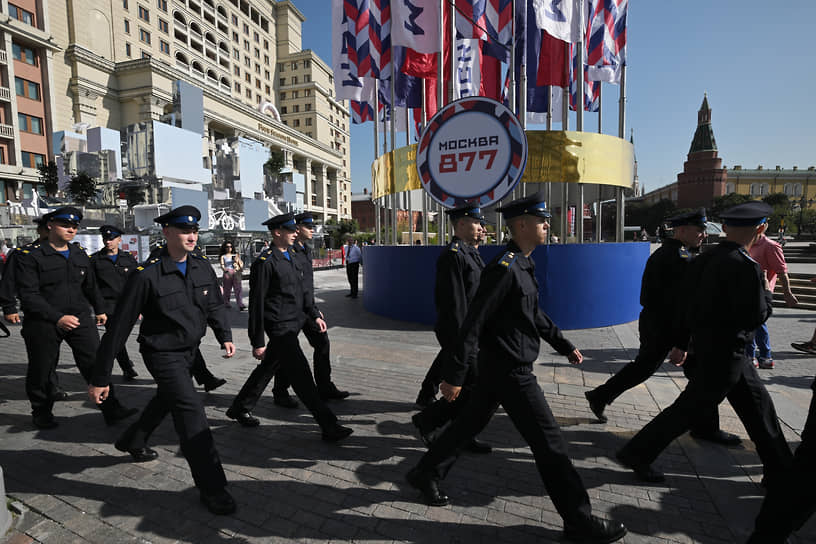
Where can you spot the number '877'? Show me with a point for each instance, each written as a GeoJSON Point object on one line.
{"type": "Point", "coordinates": [449, 162]}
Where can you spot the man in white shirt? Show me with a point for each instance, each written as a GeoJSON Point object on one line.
{"type": "Point", "coordinates": [354, 256]}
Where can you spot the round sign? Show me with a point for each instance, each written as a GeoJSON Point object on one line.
{"type": "Point", "coordinates": [472, 152]}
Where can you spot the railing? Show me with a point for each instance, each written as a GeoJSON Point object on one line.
{"type": "Point", "coordinates": [3, 57]}
{"type": "Point", "coordinates": [6, 131]}
{"type": "Point", "coordinates": [328, 258]}
{"type": "Point", "coordinates": [5, 94]}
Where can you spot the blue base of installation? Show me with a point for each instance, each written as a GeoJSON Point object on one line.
{"type": "Point", "coordinates": [581, 286]}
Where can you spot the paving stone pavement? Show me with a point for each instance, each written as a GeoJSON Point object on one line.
{"type": "Point", "coordinates": [74, 487]}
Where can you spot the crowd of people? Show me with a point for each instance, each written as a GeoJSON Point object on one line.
{"type": "Point", "coordinates": [706, 313]}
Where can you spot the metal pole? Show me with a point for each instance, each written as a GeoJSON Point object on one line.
{"type": "Point", "coordinates": [424, 194]}
{"type": "Point", "coordinates": [579, 121]}
{"type": "Point", "coordinates": [522, 103]}
{"type": "Point", "coordinates": [548, 185]}
{"type": "Point", "coordinates": [440, 101]}
{"type": "Point", "coordinates": [564, 185]}
{"type": "Point", "coordinates": [392, 122]}
{"type": "Point", "coordinates": [408, 193]}
{"type": "Point", "coordinates": [600, 206]}
{"type": "Point", "coordinates": [377, 208]}
{"type": "Point", "coordinates": [619, 204]}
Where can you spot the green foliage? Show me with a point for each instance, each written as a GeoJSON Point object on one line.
{"type": "Point", "coordinates": [722, 203]}
{"type": "Point", "coordinates": [274, 163]}
{"type": "Point", "coordinates": [49, 177]}
{"type": "Point", "coordinates": [648, 216]}
{"type": "Point", "coordinates": [339, 232]}
{"type": "Point", "coordinates": [82, 188]}
{"type": "Point", "coordinates": [134, 193]}
{"type": "Point", "coordinates": [777, 199]}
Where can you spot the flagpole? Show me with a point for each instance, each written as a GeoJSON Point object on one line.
{"type": "Point", "coordinates": [389, 200]}
{"type": "Point", "coordinates": [548, 185]}
{"type": "Point", "coordinates": [565, 127]}
{"type": "Point", "coordinates": [599, 215]}
{"type": "Point", "coordinates": [393, 131]}
{"type": "Point", "coordinates": [440, 101]}
{"type": "Point", "coordinates": [378, 221]}
{"type": "Point", "coordinates": [579, 118]}
{"type": "Point", "coordinates": [619, 201]}
{"type": "Point", "coordinates": [408, 192]}
{"type": "Point", "coordinates": [424, 194]}
{"type": "Point", "coordinates": [522, 100]}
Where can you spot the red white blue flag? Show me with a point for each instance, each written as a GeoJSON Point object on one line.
{"type": "Point", "coordinates": [606, 39]}
{"type": "Point", "coordinates": [348, 80]}
{"type": "Point", "coordinates": [560, 18]}
{"type": "Point", "coordinates": [415, 24]}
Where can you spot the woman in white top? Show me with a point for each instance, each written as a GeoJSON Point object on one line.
{"type": "Point", "coordinates": [232, 266]}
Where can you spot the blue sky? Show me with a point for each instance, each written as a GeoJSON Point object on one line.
{"type": "Point", "coordinates": [755, 60]}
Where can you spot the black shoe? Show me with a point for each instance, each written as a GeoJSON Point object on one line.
{"type": "Point", "coordinates": [594, 530]}
{"type": "Point", "coordinates": [718, 437]}
{"type": "Point", "coordinates": [285, 401]}
{"type": "Point", "coordinates": [243, 417]}
{"type": "Point", "coordinates": [597, 406]}
{"type": "Point", "coordinates": [220, 502]}
{"type": "Point", "coordinates": [139, 455]}
{"type": "Point", "coordinates": [425, 399]}
{"type": "Point", "coordinates": [117, 412]}
{"type": "Point", "coordinates": [44, 421]}
{"type": "Point", "coordinates": [428, 486]}
{"type": "Point", "coordinates": [129, 374]}
{"type": "Point", "coordinates": [213, 383]}
{"type": "Point", "coordinates": [643, 471]}
{"type": "Point", "coordinates": [477, 446]}
{"type": "Point", "coordinates": [59, 395]}
{"type": "Point", "coordinates": [336, 432]}
{"type": "Point", "coordinates": [349, 295]}
{"type": "Point", "coordinates": [332, 393]}
{"type": "Point", "coordinates": [426, 436]}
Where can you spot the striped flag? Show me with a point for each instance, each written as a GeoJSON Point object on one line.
{"type": "Point", "coordinates": [485, 20]}
{"type": "Point", "coordinates": [592, 89]}
{"type": "Point", "coordinates": [415, 24]}
{"type": "Point", "coordinates": [347, 81]}
{"type": "Point", "coordinates": [606, 39]}
{"type": "Point", "coordinates": [560, 18]}
{"type": "Point", "coordinates": [379, 35]}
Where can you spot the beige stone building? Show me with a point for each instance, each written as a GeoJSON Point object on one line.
{"type": "Point", "coordinates": [112, 63]}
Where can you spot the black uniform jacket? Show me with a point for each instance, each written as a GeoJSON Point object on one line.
{"type": "Point", "coordinates": [277, 298]}
{"type": "Point", "coordinates": [111, 276]}
{"type": "Point", "coordinates": [303, 255]}
{"type": "Point", "coordinates": [664, 293]}
{"type": "Point", "coordinates": [457, 277]}
{"type": "Point", "coordinates": [176, 310]}
{"type": "Point", "coordinates": [8, 287]}
{"type": "Point", "coordinates": [51, 286]}
{"type": "Point", "coordinates": [504, 320]}
{"type": "Point", "coordinates": [730, 301]}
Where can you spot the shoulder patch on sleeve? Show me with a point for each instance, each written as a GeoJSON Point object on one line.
{"type": "Point", "coordinates": [507, 259]}
{"type": "Point", "coordinates": [148, 264]}
{"type": "Point", "coordinates": [683, 253]}
{"type": "Point", "coordinates": [454, 246]}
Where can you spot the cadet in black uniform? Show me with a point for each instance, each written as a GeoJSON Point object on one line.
{"type": "Point", "coordinates": [111, 266]}
{"type": "Point", "coordinates": [505, 323]}
{"type": "Point", "coordinates": [319, 341]}
{"type": "Point", "coordinates": [277, 306]}
{"type": "Point", "coordinates": [792, 500]}
{"type": "Point", "coordinates": [731, 300]}
{"type": "Point", "coordinates": [57, 288]}
{"type": "Point", "coordinates": [177, 294]}
{"type": "Point", "coordinates": [200, 372]}
{"type": "Point", "coordinates": [458, 269]}
{"type": "Point", "coordinates": [663, 295]}
{"type": "Point", "coordinates": [457, 277]}
{"type": "Point", "coordinates": [8, 297]}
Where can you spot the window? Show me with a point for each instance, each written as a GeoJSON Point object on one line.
{"type": "Point", "coordinates": [234, 19]}
{"type": "Point", "coordinates": [236, 54]}
{"type": "Point", "coordinates": [307, 92]}
{"type": "Point", "coordinates": [256, 37]}
{"type": "Point", "coordinates": [163, 26]}
{"type": "Point", "coordinates": [236, 70]}
{"type": "Point", "coordinates": [257, 53]}
{"type": "Point", "coordinates": [257, 68]}
{"type": "Point", "coordinates": [257, 83]}
{"type": "Point", "coordinates": [294, 66]}
{"type": "Point", "coordinates": [24, 54]}
{"type": "Point", "coordinates": [294, 80]}
{"type": "Point", "coordinates": [127, 49]}
{"type": "Point", "coordinates": [145, 54]}
{"type": "Point", "coordinates": [144, 14]}
{"type": "Point", "coordinates": [296, 123]}
{"type": "Point", "coordinates": [309, 122]}
{"type": "Point", "coordinates": [246, 45]}
{"type": "Point", "coordinates": [295, 94]}
{"type": "Point", "coordinates": [266, 60]}
{"type": "Point", "coordinates": [282, 81]}
{"type": "Point", "coordinates": [248, 78]}
{"type": "Point", "coordinates": [307, 63]}
{"type": "Point", "coordinates": [797, 189]}
{"type": "Point", "coordinates": [235, 37]}
{"type": "Point", "coordinates": [32, 160]}
{"type": "Point", "coordinates": [307, 78]}
{"type": "Point", "coordinates": [237, 87]}
{"type": "Point", "coordinates": [267, 89]}
{"type": "Point", "coordinates": [125, 4]}
{"type": "Point", "coordinates": [247, 62]}
{"type": "Point", "coordinates": [266, 75]}
{"type": "Point", "coordinates": [144, 36]}
{"type": "Point", "coordinates": [309, 134]}
{"type": "Point", "coordinates": [127, 26]}
{"type": "Point", "coordinates": [285, 122]}
{"type": "Point", "coordinates": [283, 109]}
{"type": "Point", "coordinates": [246, 31]}
{"type": "Point", "coordinates": [266, 45]}
{"type": "Point", "coordinates": [282, 68]}
{"type": "Point", "coordinates": [162, 5]}
{"type": "Point", "coordinates": [164, 46]}
{"type": "Point", "coordinates": [308, 107]}
{"type": "Point", "coordinates": [249, 93]}
{"type": "Point", "coordinates": [21, 15]}
{"type": "Point", "coordinates": [296, 108]}
{"type": "Point", "coordinates": [29, 123]}
{"type": "Point", "coordinates": [26, 88]}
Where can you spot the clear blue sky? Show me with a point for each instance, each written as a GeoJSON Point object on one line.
{"type": "Point", "coordinates": [754, 58]}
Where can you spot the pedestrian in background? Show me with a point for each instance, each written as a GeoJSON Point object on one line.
{"type": "Point", "coordinates": [354, 256]}
{"type": "Point", "coordinates": [770, 257]}
{"type": "Point", "coordinates": [232, 267]}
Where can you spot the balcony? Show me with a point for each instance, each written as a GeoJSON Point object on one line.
{"type": "Point", "coordinates": [6, 131]}
{"type": "Point", "coordinates": [3, 57]}
{"type": "Point", "coordinates": [5, 94]}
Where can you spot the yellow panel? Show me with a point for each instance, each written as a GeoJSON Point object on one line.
{"type": "Point", "coordinates": [556, 156]}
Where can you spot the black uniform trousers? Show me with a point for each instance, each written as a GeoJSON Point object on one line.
{"type": "Point", "coordinates": [654, 348]}
{"type": "Point", "coordinates": [430, 385]}
{"type": "Point", "coordinates": [352, 272]}
{"type": "Point", "coordinates": [125, 363]}
{"type": "Point", "coordinates": [518, 392]}
{"type": "Point", "coordinates": [176, 395]}
{"type": "Point", "coordinates": [199, 369]}
{"type": "Point", "coordinates": [721, 374]}
{"type": "Point", "coordinates": [42, 340]}
{"type": "Point", "coordinates": [321, 360]}
{"type": "Point", "coordinates": [283, 353]}
{"type": "Point", "coordinates": [791, 501]}
{"type": "Point", "coordinates": [440, 412]}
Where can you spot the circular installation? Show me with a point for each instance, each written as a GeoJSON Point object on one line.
{"type": "Point", "coordinates": [473, 151]}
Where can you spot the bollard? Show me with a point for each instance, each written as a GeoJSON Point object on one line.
{"type": "Point", "coordinates": [5, 515]}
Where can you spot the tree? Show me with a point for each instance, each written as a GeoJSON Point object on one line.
{"type": "Point", "coordinates": [648, 216]}
{"type": "Point", "coordinates": [274, 164]}
{"type": "Point", "coordinates": [82, 188]}
{"type": "Point", "coordinates": [782, 209]}
{"type": "Point", "coordinates": [722, 203]}
{"type": "Point", "coordinates": [777, 199]}
{"type": "Point", "coordinates": [49, 177]}
{"type": "Point", "coordinates": [133, 193]}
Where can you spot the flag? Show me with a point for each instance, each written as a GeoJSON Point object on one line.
{"type": "Point", "coordinates": [592, 89]}
{"type": "Point", "coordinates": [408, 89]}
{"type": "Point", "coordinates": [606, 39]}
{"type": "Point", "coordinates": [468, 72]}
{"type": "Point", "coordinates": [415, 24]}
{"type": "Point", "coordinates": [560, 18]}
{"type": "Point", "coordinates": [347, 82]}
{"type": "Point", "coordinates": [490, 66]}
{"type": "Point", "coordinates": [379, 26]}
{"type": "Point", "coordinates": [363, 110]}
{"type": "Point", "coordinates": [363, 42]}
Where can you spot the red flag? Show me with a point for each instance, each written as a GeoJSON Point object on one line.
{"type": "Point", "coordinates": [490, 84]}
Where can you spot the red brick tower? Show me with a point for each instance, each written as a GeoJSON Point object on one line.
{"type": "Point", "coordinates": [703, 177]}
